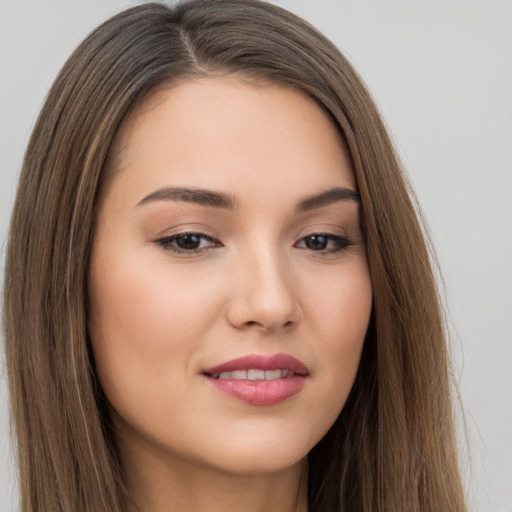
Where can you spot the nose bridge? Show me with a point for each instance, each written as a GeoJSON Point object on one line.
{"type": "Point", "coordinates": [264, 295]}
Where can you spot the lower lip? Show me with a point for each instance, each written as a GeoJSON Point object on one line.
{"type": "Point", "coordinates": [260, 392]}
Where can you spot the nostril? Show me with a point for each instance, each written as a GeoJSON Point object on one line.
{"type": "Point", "coordinates": [253, 324]}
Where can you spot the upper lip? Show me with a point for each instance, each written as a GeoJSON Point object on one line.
{"type": "Point", "coordinates": [260, 362]}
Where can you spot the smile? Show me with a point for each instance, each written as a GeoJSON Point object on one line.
{"type": "Point", "coordinates": [254, 374]}
{"type": "Point", "coordinates": [259, 379]}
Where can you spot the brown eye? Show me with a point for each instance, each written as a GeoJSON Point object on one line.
{"type": "Point", "coordinates": [324, 243]}
{"type": "Point", "coordinates": [188, 243]}
{"type": "Point", "coordinates": [316, 242]}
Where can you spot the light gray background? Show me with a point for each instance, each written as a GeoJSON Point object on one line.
{"type": "Point", "coordinates": [441, 72]}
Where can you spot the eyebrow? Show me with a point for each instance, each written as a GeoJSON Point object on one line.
{"type": "Point", "coordinates": [326, 198]}
{"type": "Point", "coordinates": [192, 195]}
{"type": "Point", "coordinates": [220, 200]}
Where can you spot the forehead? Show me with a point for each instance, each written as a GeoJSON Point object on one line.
{"type": "Point", "coordinates": [212, 131]}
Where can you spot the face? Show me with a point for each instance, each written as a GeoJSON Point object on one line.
{"type": "Point", "coordinates": [229, 286]}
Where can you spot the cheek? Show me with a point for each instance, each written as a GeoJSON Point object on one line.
{"type": "Point", "coordinates": [339, 304]}
{"type": "Point", "coordinates": [150, 299]}
{"type": "Point", "coordinates": [340, 313]}
{"type": "Point", "coordinates": [146, 323]}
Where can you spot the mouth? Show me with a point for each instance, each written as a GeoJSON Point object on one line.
{"type": "Point", "coordinates": [259, 379]}
{"type": "Point", "coordinates": [254, 374]}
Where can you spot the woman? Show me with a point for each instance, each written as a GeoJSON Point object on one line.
{"type": "Point", "coordinates": [226, 290]}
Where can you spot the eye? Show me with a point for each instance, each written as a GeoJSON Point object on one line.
{"type": "Point", "coordinates": [188, 243]}
{"type": "Point", "coordinates": [324, 243]}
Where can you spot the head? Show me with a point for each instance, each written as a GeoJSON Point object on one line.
{"type": "Point", "coordinates": [393, 436]}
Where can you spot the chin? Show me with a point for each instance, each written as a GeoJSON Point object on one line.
{"type": "Point", "coordinates": [260, 453]}
{"type": "Point", "coordinates": [264, 462]}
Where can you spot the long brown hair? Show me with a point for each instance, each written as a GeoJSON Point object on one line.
{"type": "Point", "coordinates": [393, 447]}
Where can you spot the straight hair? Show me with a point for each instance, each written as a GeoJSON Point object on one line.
{"type": "Point", "coordinates": [393, 446]}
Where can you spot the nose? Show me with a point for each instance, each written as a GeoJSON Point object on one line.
{"type": "Point", "coordinates": [264, 294]}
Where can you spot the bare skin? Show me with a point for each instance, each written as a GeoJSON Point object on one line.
{"type": "Point", "coordinates": [230, 230]}
{"type": "Point", "coordinates": [207, 490]}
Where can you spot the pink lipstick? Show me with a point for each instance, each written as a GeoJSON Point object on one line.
{"type": "Point", "coordinates": [259, 379]}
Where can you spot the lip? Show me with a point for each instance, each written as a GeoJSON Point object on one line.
{"type": "Point", "coordinates": [260, 392]}
{"type": "Point", "coordinates": [261, 362]}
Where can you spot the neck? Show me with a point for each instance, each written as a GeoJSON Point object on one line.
{"type": "Point", "coordinates": [156, 485]}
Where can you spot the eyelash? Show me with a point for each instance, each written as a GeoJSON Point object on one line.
{"type": "Point", "coordinates": [342, 242]}
{"type": "Point", "coordinates": [168, 243]}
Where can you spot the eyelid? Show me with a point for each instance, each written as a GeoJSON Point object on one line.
{"type": "Point", "coordinates": [342, 241]}
{"type": "Point", "coordinates": [322, 229]}
{"type": "Point", "coordinates": [335, 234]}
{"type": "Point", "coordinates": [167, 241]}
{"type": "Point", "coordinates": [184, 229]}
